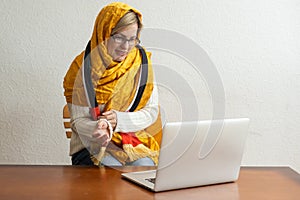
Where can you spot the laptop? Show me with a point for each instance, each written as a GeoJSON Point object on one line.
{"type": "Point", "coordinates": [196, 153]}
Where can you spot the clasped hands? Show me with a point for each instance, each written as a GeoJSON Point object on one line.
{"type": "Point", "coordinates": [102, 132]}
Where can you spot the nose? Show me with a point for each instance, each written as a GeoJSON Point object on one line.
{"type": "Point", "coordinates": [125, 45]}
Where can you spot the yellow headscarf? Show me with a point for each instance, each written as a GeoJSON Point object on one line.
{"type": "Point", "coordinates": [105, 72]}
{"type": "Point", "coordinates": [115, 83]}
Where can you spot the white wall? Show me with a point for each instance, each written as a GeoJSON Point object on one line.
{"type": "Point", "coordinates": [253, 44]}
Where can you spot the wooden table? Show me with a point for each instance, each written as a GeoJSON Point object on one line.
{"type": "Point", "coordinates": [69, 182]}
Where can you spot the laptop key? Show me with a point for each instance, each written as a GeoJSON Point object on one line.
{"type": "Point", "coordinates": [152, 180]}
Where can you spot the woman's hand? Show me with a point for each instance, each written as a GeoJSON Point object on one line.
{"type": "Point", "coordinates": [101, 133]}
{"type": "Point", "coordinates": [111, 116]}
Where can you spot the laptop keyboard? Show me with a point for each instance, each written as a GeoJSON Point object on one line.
{"type": "Point", "coordinates": [152, 180]}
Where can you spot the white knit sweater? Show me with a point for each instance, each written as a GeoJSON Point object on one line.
{"type": "Point", "coordinates": [83, 126]}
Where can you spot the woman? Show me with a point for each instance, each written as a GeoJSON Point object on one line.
{"type": "Point", "coordinates": [109, 75]}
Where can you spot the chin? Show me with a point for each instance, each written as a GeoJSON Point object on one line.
{"type": "Point", "coordinates": [119, 59]}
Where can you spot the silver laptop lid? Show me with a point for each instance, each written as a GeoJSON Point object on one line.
{"type": "Point", "coordinates": [200, 153]}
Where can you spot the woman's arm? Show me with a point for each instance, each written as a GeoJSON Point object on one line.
{"type": "Point", "coordinates": [96, 131]}
{"type": "Point", "coordinates": [80, 120]}
{"type": "Point", "coordinates": [126, 121]}
{"type": "Point", "coordinates": [135, 121]}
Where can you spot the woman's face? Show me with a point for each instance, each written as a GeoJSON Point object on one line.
{"type": "Point", "coordinates": [121, 43]}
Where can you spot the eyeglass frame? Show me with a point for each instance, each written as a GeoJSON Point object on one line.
{"type": "Point", "coordinates": [124, 40]}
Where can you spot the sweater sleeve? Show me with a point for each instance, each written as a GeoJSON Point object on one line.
{"type": "Point", "coordinates": [141, 119]}
{"type": "Point", "coordinates": [80, 120]}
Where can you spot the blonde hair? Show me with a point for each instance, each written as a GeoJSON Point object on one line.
{"type": "Point", "coordinates": [128, 19]}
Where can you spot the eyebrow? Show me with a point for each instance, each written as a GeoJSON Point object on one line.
{"type": "Point", "coordinates": [125, 35]}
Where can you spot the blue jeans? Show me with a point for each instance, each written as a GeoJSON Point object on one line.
{"type": "Point", "coordinates": [111, 161]}
{"type": "Point", "coordinates": [83, 158]}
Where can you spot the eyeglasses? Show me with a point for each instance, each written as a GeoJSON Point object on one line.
{"type": "Point", "coordinates": [122, 40]}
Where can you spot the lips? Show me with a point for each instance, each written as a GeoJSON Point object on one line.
{"type": "Point", "coordinates": [121, 53]}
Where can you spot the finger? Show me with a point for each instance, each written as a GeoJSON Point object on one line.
{"type": "Point", "coordinates": [109, 117]}
{"type": "Point", "coordinates": [99, 126]}
{"type": "Point", "coordinates": [107, 113]}
{"type": "Point", "coordinates": [102, 125]}
{"type": "Point", "coordinates": [112, 118]}
{"type": "Point", "coordinates": [102, 138]}
{"type": "Point", "coordinates": [96, 134]}
{"type": "Point", "coordinates": [113, 123]}
{"type": "Point", "coordinates": [105, 143]}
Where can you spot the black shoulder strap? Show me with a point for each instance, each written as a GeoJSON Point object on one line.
{"type": "Point", "coordinates": [88, 84]}
{"type": "Point", "coordinates": [87, 77]}
{"type": "Point", "coordinates": [143, 81]}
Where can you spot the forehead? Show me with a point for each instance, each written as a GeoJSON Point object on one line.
{"type": "Point", "coordinates": [129, 31]}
